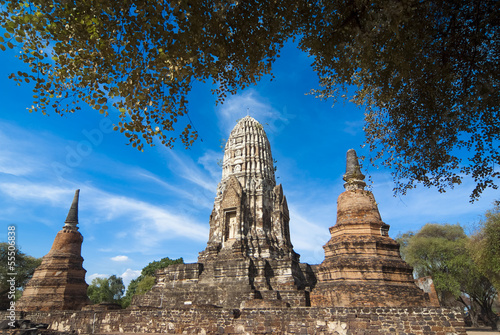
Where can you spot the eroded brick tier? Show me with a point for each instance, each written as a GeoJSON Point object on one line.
{"type": "Point", "coordinates": [362, 265]}
{"type": "Point", "coordinates": [59, 282]}
{"type": "Point", "coordinates": [249, 259]}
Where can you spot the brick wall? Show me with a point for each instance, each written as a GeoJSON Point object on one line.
{"type": "Point", "coordinates": [300, 320]}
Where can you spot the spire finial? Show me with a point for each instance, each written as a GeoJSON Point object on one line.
{"type": "Point", "coordinates": [72, 218]}
{"type": "Point", "coordinates": [353, 177]}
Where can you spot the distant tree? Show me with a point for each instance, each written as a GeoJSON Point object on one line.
{"type": "Point", "coordinates": [441, 251]}
{"type": "Point", "coordinates": [131, 289]}
{"type": "Point", "coordinates": [24, 267]}
{"type": "Point", "coordinates": [145, 284]}
{"type": "Point", "coordinates": [428, 71]}
{"type": "Point", "coordinates": [109, 289]}
{"type": "Point", "coordinates": [403, 240]}
{"type": "Point", "coordinates": [150, 269]}
{"type": "Point", "coordinates": [485, 246]}
{"type": "Point", "coordinates": [146, 280]}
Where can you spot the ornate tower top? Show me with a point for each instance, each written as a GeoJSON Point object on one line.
{"type": "Point", "coordinates": [353, 177]}
{"type": "Point", "coordinates": [72, 218]}
{"type": "Point", "coordinates": [248, 154]}
{"type": "Point", "coordinates": [250, 216]}
{"type": "Point", "coordinates": [249, 260]}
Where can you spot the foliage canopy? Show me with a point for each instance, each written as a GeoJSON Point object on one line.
{"type": "Point", "coordinates": [441, 251]}
{"type": "Point", "coordinates": [146, 280]}
{"type": "Point", "coordinates": [428, 71]}
{"type": "Point", "coordinates": [485, 246]}
{"type": "Point", "coordinates": [24, 267]}
{"type": "Point", "coordinates": [106, 290]}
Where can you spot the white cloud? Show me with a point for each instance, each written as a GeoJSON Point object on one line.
{"type": "Point", "coordinates": [200, 199]}
{"type": "Point", "coordinates": [19, 151]}
{"type": "Point", "coordinates": [121, 234]}
{"type": "Point", "coordinates": [130, 274]}
{"type": "Point", "coordinates": [250, 103]}
{"type": "Point", "coordinates": [157, 180]}
{"type": "Point", "coordinates": [9, 164]}
{"type": "Point", "coordinates": [39, 193]}
{"type": "Point", "coordinates": [149, 224]}
{"type": "Point", "coordinates": [210, 161]}
{"type": "Point", "coordinates": [308, 236]}
{"type": "Point", "coordinates": [186, 168]}
{"type": "Point", "coordinates": [95, 275]}
{"type": "Point", "coordinates": [354, 127]}
{"type": "Point", "coordinates": [120, 258]}
{"type": "Point", "coordinates": [426, 205]}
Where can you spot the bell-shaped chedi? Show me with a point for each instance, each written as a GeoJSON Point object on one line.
{"type": "Point", "coordinates": [249, 259]}
{"type": "Point", "coordinates": [362, 265]}
{"type": "Point", "coordinates": [59, 282]}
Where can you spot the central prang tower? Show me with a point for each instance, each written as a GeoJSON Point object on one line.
{"type": "Point", "coordinates": [250, 216]}
{"type": "Point", "coordinates": [249, 260]}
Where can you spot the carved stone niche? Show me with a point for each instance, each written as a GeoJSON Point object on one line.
{"type": "Point", "coordinates": [232, 229]}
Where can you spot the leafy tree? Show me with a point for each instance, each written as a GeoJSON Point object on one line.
{"type": "Point", "coordinates": [146, 280]}
{"type": "Point", "coordinates": [109, 289]}
{"type": "Point", "coordinates": [485, 246]}
{"type": "Point", "coordinates": [145, 284]}
{"type": "Point", "coordinates": [150, 269]}
{"type": "Point", "coordinates": [24, 267]}
{"type": "Point", "coordinates": [441, 251]}
{"type": "Point", "coordinates": [428, 71]}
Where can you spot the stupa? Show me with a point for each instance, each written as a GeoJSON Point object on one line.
{"type": "Point", "coordinates": [59, 282]}
{"type": "Point", "coordinates": [362, 265]}
{"type": "Point", "coordinates": [249, 259]}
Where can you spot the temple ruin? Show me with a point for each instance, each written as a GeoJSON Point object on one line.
{"type": "Point", "coordinates": [249, 259]}
{"type": "Point", "coordinates": [362, 265]}
{"type": "Point", "coordinates": [249, 280]}
{"type": "Point", "coordinates": [59, 282]}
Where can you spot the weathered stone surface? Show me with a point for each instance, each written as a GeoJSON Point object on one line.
{"type": "Point", "coordinates": [249, 254]}
{"type": "Point", "coordinates": [426, 284]}
{"type": "Point", "coordinates": [362, 265]}
{"type": "Point", "coordinates": [249, 208]}
{"type": "Point", "coordinates": [272, 320]}
{"type": "Point", "coordinates": [354, 179]}
{"type": "Point", "coordinates": [59, 282]}
{"type": "Point", "coordinates": [249, 280]}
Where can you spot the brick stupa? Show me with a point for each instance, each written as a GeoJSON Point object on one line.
{"type": "Point", "coordinates": [59, 282]}
{"type": "Point", "coordinates": [249, 260]}
{"type": "Point", "coordinates": [362, 265]}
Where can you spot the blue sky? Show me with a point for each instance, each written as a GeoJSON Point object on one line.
{"type": "Point", "coordinates": [137, 207]}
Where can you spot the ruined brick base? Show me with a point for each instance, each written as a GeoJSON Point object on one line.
{"type": "Point", "coordinates": [59, 282]}
{"type": "Point", "coordinates": [230, 283]}
{"type": "Point", "coordinates": [300, 320]}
